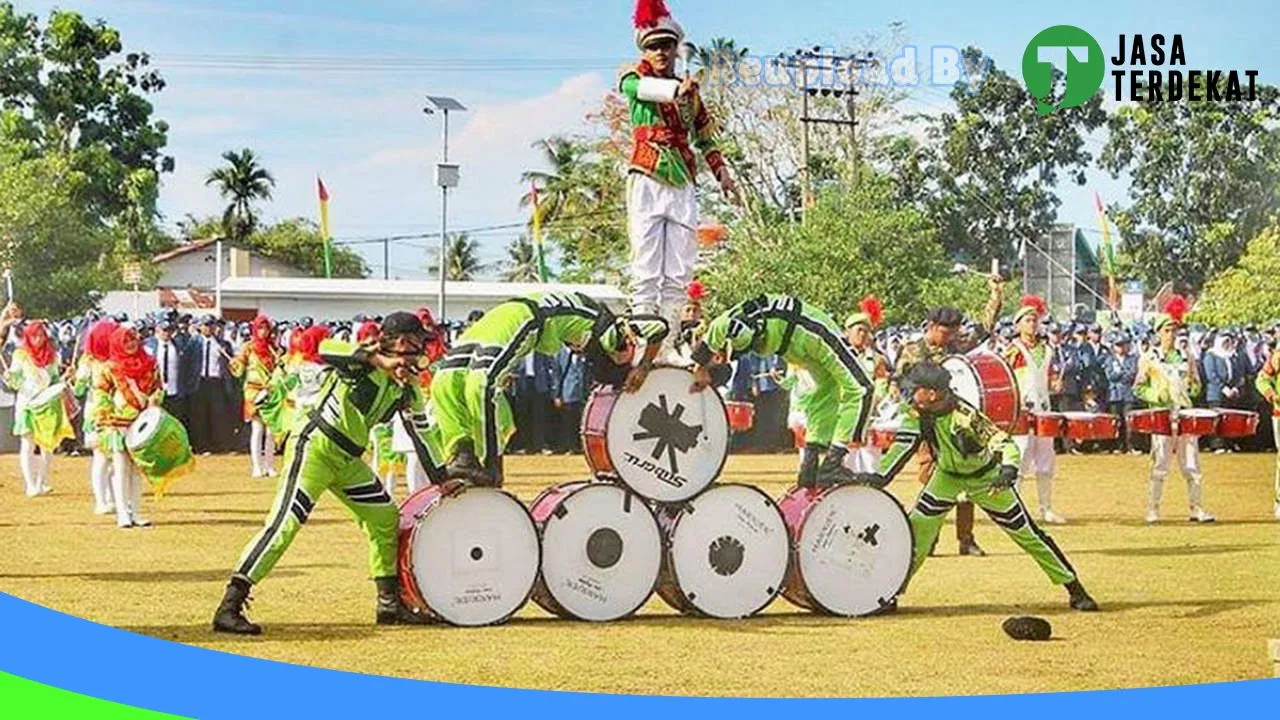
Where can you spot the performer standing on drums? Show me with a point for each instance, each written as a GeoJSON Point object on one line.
{"type": "Point", "coordinates": [1268, 385]}
{"type": "Point", "coordinates": [472, 415]}
{"type": "Point", "coordinates": [839, 409]}
{"type": "Point", "coordinates": [974, 457]}
{"type": "Point", "coordinates": [666, 115]}
{"type": "Point", "coordinates": [860, 333]}
{"type": "Point", "coordinates": [1168, 378]}
{"type": "Point", "coordinates": [362, 387]}
{"type": "Point", "coordinates": [93, 362]}
{"type": "Point", "coordinates": [130, 384]}
{"type": "Point", "coordinates": [34, 367]}
{"type": "Point", "coordinates": [255, 363]}
{"type": "Point", "coordinates": [1030, 359]}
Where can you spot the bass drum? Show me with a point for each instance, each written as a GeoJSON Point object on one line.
{"type": "Point", "coordinates": [725, 555]}
{"type": "Point", "coordinates": [601, 551]}
{"type": "Point", "coordinates": [468, 555]}
{"type": "Point", "coordinates": [851, 549]}
{"type": "Point", "coordinates": [986, 382]}
{"type": "Point", "coordinates": [664, 442]}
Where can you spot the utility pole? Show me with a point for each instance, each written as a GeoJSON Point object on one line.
{"type": "Point", "coordinates": [386, 262]}
{"type": "Point", "coordinates": [446, 178]}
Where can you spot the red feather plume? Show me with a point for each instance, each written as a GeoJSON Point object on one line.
{"type": "Point", "coordinates": [696, 291]}
{"type": "Point", "coordinates": [1034, 301]}
{"type": "Point", "coordinates": [1177, 308]}
{"type": "Point", "coordinates": [649, 12]}
{"type": "Point", "coordinates": [873, 308]}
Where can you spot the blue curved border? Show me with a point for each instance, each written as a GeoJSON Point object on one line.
{"type": "Point", "coordinates": [73, 654]}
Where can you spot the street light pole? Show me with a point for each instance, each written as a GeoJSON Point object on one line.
{"type": "Point", "coordinates": [446, 178]}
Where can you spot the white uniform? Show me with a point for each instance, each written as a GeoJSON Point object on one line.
{"type": "Point", "coordinates": [662, 223]}
{"type": "Point", "coordinates": [1165, 448]}
{"type": "Point", "coordinates": [1038, 457]}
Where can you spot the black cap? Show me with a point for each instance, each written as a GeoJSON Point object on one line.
{"type": "Point", "coordinates": [402, 323]}
{"type": "Point", "coordinates": [946, 317]}
{"type": "Point", "coordinates": [929, 375]}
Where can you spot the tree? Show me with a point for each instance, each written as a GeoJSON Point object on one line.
{"type": "Point", "coordinates": [995, 162]}
{"type": "Point", "coordinates": [1247, 293]}
{"type": "Point", "coordinates": [522, 261]}
{"type": "Point", "coordinates": [241, 182]}
{"type": "Point", "coordinates": [298, 242]}
{"type": "Point", "coordinates": [1204, 181]}
{"type": "Point", "coordinates": [464, 260]}
{"type": "Point", "coordinates": [52, 241]}
{"type": "Point", "coordinates": [70, 89]}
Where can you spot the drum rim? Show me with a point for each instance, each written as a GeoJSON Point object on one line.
{"type": "Point", "coordinates": [539, 580]}
{"type": "Point", "coordinates": [616, 475]}
{"type": "Point", "coordinates": [413, 534]}
{"type": "Point", "coordinates": [795, 547]}
{"type": "Point", "coordinates": [596, 391]}
{"type": "Point", "coordinates": [669, 562]}
{"type": "Point", "coordinates": [1018, 410]}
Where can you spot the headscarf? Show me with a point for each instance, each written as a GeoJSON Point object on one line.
{"type": "Point", "coordinates": [309, 344]}
{"type": "Point", "coordinates": [42, 356]}
{"type": "Point", "coordinates": [98, 342]}
{"type": "Point", "coordinates": [137, 366]}
{"type": "Point", "coordinates": [262, 345]}
{"type": "Point", "coordinates": [1220, 347]}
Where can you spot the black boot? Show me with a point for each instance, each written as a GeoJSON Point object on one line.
{"type": "Point", "coordinates": [465, 465]}
{"type": "Point", "coordinates": [809, 457]}
{"type": "Point", "coordinates": [1080, 599]}
{"type": "Point", "coordinates": [230, 615]}
{"type": "Point", "coordinates": [391, 609]}
{"type": "Point", "coordinates": [833, 471]}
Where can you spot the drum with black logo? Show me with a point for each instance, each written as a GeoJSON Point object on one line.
{"type": "Point", "coordinates": [851, 549]}
{"type": "Point", "coordinates": [601, 550]}
{"type": "Point", "coordinates": [468, 555]}
{"type": "Point", "coordinates": [986, 382]}
{"type": "Point", "coordinates": [726, 552]}
{"type": "Point", "coordinates": [664, 441]}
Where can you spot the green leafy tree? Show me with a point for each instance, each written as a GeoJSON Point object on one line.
{"type": "Point", "coordinates": [297, 242]}
{"type": "Point", "coordinates": [1204, 180]}
{"type": "Point", "coordinates": [464, 258]}
{"type": "Point", "coordinates": [1248, 292]}
{"type": "Point", "coordinates": [241, 182]}
{"type": "Point", "coordinates": [521, 264]}
{"type": "Point", "coordinates": [50, 239]}
{"type": "Point", "coordinates": [70, 88]}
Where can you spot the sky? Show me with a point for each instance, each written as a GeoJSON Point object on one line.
{"type": "Point", "coordinates": [336, 89]}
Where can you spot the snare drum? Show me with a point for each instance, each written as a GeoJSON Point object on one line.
{"type": "Point", "coordinates": [159, 446]}
{"type": "Point", "coordinates": [468, 555]}
{"type": "Point", "coordinates": [664, 442]}
{"type": "Point", "coordinates": [986, 382]}
{"type": "Point", "coordinates": [1091, 426]}
{"type": "Point", "coordinates": [601, 550]}
{"type": "Point", "coordinates": [1237, 423]}
{"type": "Point", "coordinates": [742, 415]}
{"type": "Point", "coordinates": [1154, 421]}
{"type": "Point", "coordinates": [725, 554]}
{"type": "Point", "coordinates": [1046, 424]}
{"type": "Point", "coordinates": [851, 549]}
{"type": "Point", "coordinates": [1197, 421]}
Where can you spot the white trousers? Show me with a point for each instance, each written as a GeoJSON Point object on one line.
{"type": "Point", "coordinates": [1186, 449]}
{"type": "Point", "coordinates": [100, 481]}
{"type": "Point", "coordinates": [662, 224]}
{"type": "Point", "coordinates": [865, 459]}
{"type": "Point", "coordinates": [1039, 460]}
{"type": "Point", "coordinates": [35, 468]}
{"type": "Point", "coordinates": [262, 448]}
{"type": "Point", "coordinates": [415, 476]}
{"type": "Point", "coordinates": [126, 484]}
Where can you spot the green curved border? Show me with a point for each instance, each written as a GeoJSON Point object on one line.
{"type": "Point", "coordinates": [22, 698]}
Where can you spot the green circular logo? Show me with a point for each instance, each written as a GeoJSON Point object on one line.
{"type": "Point", "coordinates": [1076, 54]}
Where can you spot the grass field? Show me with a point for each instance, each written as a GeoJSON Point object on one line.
{"type": "Point", "coordinates": [1181, 603]}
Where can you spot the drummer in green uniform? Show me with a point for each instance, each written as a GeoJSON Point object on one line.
{"type": "Point", "coordinates": [473, 416]}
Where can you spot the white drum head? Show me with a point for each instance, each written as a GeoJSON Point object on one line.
{"type": "Point", "coordinates": [47, 395]}
{"type": "Point", "coordinates": [1198, 413]}
{"type": "Point", "coordinates": [143, 428]}
{"type": "Point", "coordinates": [667, 443]}
{"type": "Point", "coordinates": [475, 557]}
{"type": "Point", "coordinates": [601, 553]}
{"type": "Point", "coordinates": [855, 550]}
{"type": "Point", "coordinates": [729, 552]}
{"type": "Point", "coordinates": [964, 380]}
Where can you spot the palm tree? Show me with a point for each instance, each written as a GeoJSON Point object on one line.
{"type": "Point", "coordinates": [522, 261]}
{"type": "Point", "coordinates": [561, 190]}
{"type": "Point", "coordinates": [241, 181]}
{"type": "Point", "coordinates": [721, 53]}
{"type": "Point", "coordinates": [464, 260]}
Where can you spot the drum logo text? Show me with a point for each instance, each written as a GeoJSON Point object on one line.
{"type": "Point", "coordinates": [661, 474]}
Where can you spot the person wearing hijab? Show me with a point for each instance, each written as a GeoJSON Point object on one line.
{"type": "Point", "coordinates": [255, 363]}
{"type": "Point", "coordinates": [93, 362]}
{"type": "Point", "coordinates": [130, 384]}
{"type": "Point", "coordinates": [34, 367]}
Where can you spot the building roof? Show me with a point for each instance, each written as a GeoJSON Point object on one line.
{"type": "Point", "coordinates": [184, 249]}
{"type": "Point", "coordinates": [424, 289]}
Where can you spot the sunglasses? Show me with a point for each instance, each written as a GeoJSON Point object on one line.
{"type": "Point", "coordinates": [661, 46]}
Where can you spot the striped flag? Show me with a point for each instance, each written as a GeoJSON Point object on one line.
{"type": "Point", "coordinates": [543, 274]}
{"type": "Point", "coordinates": [1107, 253]}
{"type": "Point", "coordinates": [324, 226]}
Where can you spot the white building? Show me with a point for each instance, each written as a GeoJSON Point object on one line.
{"type": "Point", "coordinates": [194, 265]}
{"type": "Point", "coordinates": [320, 298]}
